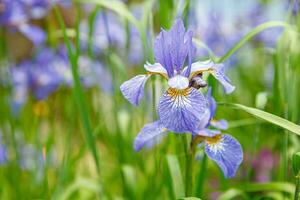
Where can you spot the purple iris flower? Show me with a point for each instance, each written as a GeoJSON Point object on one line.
{"type": "Point", "coordinates": [182, 107]}
{"type": "Point", "coordinates": [16, 15]}
{"type": "Point", "coordinates": [225, 150]}
{"type": "Point", "coordinates": [3, 151]}
{"type": "Point", "coordinates": [90, 71]}
{"type": "Point", "coordinates": [104, 36]}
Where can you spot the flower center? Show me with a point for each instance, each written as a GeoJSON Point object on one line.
{"type": "Point", "coordinates": [179, 82]}
{"type": "Point", "coordinates": [214, 140]}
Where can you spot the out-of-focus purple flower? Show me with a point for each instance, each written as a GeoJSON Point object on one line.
{"type": "Point", "coordinates": [16, 15]}
{"type": "Point", "coordinates": [93, 73]}
{"type": "Point", "coordinates": [263, 164]}
{"type": "Point", "coordinates": [110, 31]}
{"type": "Point", "coordinates": [3, 151]}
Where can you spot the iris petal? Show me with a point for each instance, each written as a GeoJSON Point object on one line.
{"type": "Point", "coordinates": [33, 33]}
{"type": "Point", "coordinates": [150, 135]}
{"type": "Point", "coordinates": [182, 110]}
{"type": "Point", "coordinates": [133, 89]}
{"type": "Point", "coordinates": [156, 68]}
{"type": "Point", "coordinates": [200, 66]}
{"type": "Point", "coordinates": [219, 73]}
{"type": "Point", "coordinates": [226, 151]}
{"type": "Point", "coordinates": [219, 124]}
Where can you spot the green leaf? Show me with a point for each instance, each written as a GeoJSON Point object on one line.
{"type": "Point", "coordinates": [231, 194]}
{"type": "Point", "coordinates": [78, 90]}
{"type": "Point", "coordinates": [176, 176]}
{"type": "Point", "coordinates": [272, 186]}
{"type": "Point", "coordinates": [274, 119]}
{"type": "Point", "coordinates": [190, 198]}
{"type": "Point", "coordinates": [129, 177]}
{"type": "Point", "coordinates": [80, 183]}
{"type": "Point", "coordinates": [296, 164]}
{"type": "Point", "coordinates": [250, 35]}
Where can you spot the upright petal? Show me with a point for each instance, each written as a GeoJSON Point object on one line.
{"type": "Point", "coordinates": [219, 73]}
{"type": "Point", "coordinates": [162, 45]}
{"type": "Point", "coordinates": [191, 49]}
{"type": "Point", "coordinates": [226, 151]}
{"type": "Point", "coordinates": [133, 89]}
{"type": "Point", "coordinates": [179, 45]}
{"type": "Point", "coordinates": [182, 110]}
{"type": "Point", "coordinates": [33, 33]}
{"type": "Point", "coordinates": [150, 135]}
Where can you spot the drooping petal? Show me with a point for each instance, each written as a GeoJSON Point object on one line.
{"type": "Point", "coordinates": [133, 89]}
{"type": "Point", "coordinates": [150, 135]}
{"type": "Point", "coordinates": [33, 33]}
{"type": "Point", "coordinates": [219, 124]}
{"type": "Point", "coordinates": [182, 110]}
{"type": "Point", "coordinates": [156, 68]}
{"type": "Point", "coordinates": [219, 73]}
{"type": "Point", "coordinates": [226, 151]}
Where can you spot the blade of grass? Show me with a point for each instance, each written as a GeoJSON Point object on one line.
{"type": "Point", "coordinates": [78, 92]}
{"type": "Point", "coordinates": [250, 35]}
{"type": "Point", "coordinates": [267, 117]}
{"type": "Point", "coordinates": [175, 172]}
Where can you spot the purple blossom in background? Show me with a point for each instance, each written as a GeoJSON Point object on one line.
{"type": "Point", "coordinates": [263, 164]}
{"type": "Point", "coordinates": [16, 15]}
{"type": "Point", "coordinates": [49, 69]}
{"type": "Point", "coordinates": [3, 151]}
{"type": "Point", "coordinates": [110, 32]}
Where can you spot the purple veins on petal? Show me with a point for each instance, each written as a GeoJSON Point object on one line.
{"type": "Point", "coordinates": [226, 151]}
{"type": "Point", "coordinates": [182, 110]}
{"type": "Point", "coordinates": [162, 54]}
{"type": "Point", "coordinates": [150, 135]}
{"type": "Point", "coordinates": [219, 73]}
{"type": "Point", "coordinates": [133, 89]}
{"type": "Point", "coordinates": [179, 47]}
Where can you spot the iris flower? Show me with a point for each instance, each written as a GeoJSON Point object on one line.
{"type": "Point", "coordinates": [225, 150]}
{"type": "Point", "coordinates": [182, 107]}
{"type": "Point", "coordinates": [16, 16]}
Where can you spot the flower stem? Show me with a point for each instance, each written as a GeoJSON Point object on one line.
{"type": "Point", "coordinates": [297, 189]}
{"type": "Point", "coordinates": [189, 168]}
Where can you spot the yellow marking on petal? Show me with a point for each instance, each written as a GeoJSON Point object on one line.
{"type": "Point", "coordinates": [173, 92]}
{"type": "Point", "coordinates": [214, 140]}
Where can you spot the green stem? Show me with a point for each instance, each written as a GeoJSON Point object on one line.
{"type": "Point", "coordinates": [189, 169]}
{"type": "Point", "coordinates": [78, 91]}
{"type": "Point", "coordinates": [297, 189]}
{"type": "Point", "coordinates": [201, 177]}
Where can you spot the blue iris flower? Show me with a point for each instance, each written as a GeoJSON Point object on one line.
{"type": "Point", "coordinates": [224, 149]}
{"type": "Point", "coordinates": [182, 107]}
